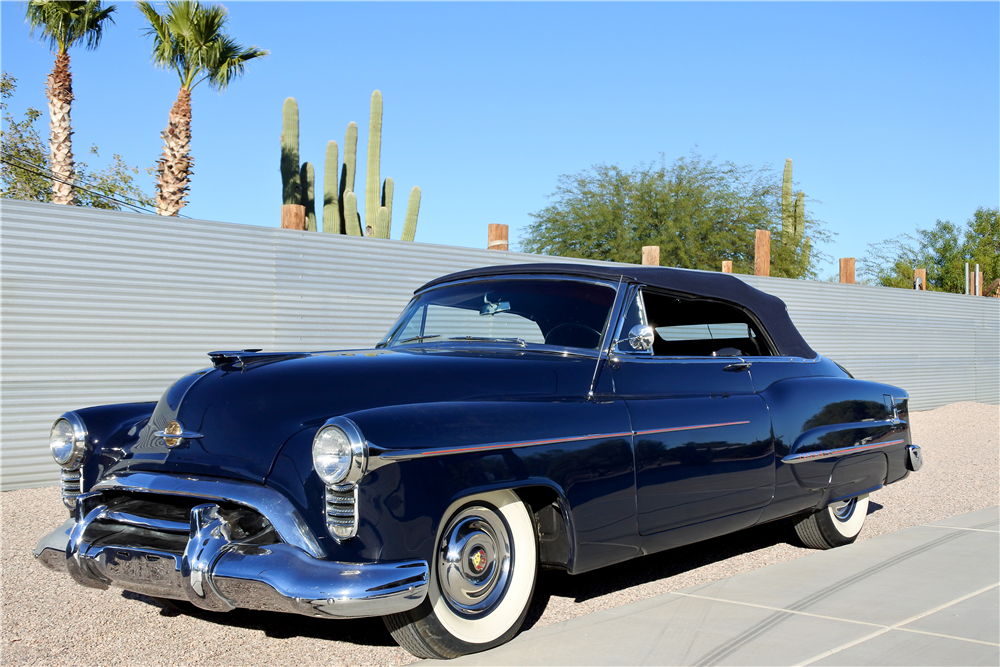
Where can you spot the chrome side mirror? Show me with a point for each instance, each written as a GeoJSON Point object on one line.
{"type": "Point", "coordinates": [640, 337]}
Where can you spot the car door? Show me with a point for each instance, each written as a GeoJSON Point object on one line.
{"type": "Point", "coordinates": [702, 437]}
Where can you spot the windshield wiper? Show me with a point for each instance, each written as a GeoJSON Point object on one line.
{"type": "Point", "coordinates": [418, 338]}
{"type": "Point", "coordinates": [517, 341]}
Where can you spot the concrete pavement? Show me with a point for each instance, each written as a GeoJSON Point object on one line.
{"type": "Point", "coordinates": [926, 595]}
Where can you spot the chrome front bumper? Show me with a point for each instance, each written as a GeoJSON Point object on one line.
{"type": "Point", "coordinates": [219, 573]}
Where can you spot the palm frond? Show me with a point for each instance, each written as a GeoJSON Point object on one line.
{"type": "Point", "coordinates": [66, 23]}
{"type": "Point", "coordinates": [191, 38]}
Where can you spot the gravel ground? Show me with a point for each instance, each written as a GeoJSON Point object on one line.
{"type": "Point", "coordinates": [48, 620]}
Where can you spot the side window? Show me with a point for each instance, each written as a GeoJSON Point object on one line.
{"type": "Point", "coordinates": [700, 328]}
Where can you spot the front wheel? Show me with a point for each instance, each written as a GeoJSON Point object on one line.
{"type": "Point", "coordinates": [482, 579]}
{"type": "Point", "coordinates": [836, 525]}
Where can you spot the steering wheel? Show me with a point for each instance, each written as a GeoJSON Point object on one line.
{"type": "Point", "coordinates": [574, 334]}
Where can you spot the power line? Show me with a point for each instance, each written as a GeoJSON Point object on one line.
{"type": "Point", "coordinates": [39, 170]}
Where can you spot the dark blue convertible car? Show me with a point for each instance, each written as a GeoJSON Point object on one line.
{"type": "Point", "coordinates": [543, 415]}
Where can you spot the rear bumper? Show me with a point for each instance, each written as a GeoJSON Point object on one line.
{"type": "Point", "coordinates": [217, 573]}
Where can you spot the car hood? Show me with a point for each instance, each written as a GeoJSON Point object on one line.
{"type": "Point", "coordinates": [240, 414]}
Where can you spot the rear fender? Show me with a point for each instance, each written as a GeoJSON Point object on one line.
{"type": "Point", "coordinates": [834, 438]}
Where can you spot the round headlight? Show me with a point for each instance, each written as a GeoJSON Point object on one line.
{"type": "Point", "coordinates": [332, 454]}
{"type": "Point", "coordinates": [67, 442]}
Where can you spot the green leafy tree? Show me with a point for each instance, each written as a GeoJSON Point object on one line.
{"type": "Point", "coordinates": [698, 212]}
{"type": "Point", "coordinates": [982, 243]}
{"type": "Point", "coordinates": [25, 169]}
{"type": "Point", "coordinates": [943, 250]}
{"type": "Point", "coordinates": [64, 24]}
{"type": "Point", "coordinates": [191, 39]}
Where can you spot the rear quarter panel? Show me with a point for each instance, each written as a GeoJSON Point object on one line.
{"type": "Point", "coordinates": [816, 413]}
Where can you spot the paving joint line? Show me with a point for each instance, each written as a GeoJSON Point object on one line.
{"type": "Point", "coordinates": [781, 609]}
{"type": "Point", "coordinates": [938, 634]}
{"type": "Point", "coordinates": [835, 618]}
{"type": "Point", "coordinates": [974, 530]}
{"type": "Point", "coordinates": [897, 626]}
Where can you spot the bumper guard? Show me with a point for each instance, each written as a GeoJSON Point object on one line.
{"type": "Point", "coordinates": [218, 573]}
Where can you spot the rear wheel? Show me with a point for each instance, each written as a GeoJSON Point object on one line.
{"type": "Point", "coordinates": [836, 525]}
{"type": "Point", "coordinates": [482, 579]}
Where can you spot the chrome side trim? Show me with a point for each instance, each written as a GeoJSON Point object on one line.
{"type": "Point", "coordinates": [405, 454]}
{"type": "Point", "coordinates": [840, 451]}
{"type": "Point", "coordinates": [288, 523]}
{"type": "Point", "coordinates": [689, 428]}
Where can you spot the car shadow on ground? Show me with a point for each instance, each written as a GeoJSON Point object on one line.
{"type": "Point", "coordinates": [655, 567]}
{"type": "Point", "coordinates": [275, 625]}
{"type": "Point", "coordinates": [551, 583]}
{"type": "Point", "coordinates": [658, 566]}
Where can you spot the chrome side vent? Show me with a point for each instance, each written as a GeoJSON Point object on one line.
{"type": "Point", "coordinates": [71, 484]}
{"type": "Point", "coordinates": [342, 511]}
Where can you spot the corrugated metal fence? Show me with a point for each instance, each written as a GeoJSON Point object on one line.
{"type": "Point", "coordinates": [101, 307]}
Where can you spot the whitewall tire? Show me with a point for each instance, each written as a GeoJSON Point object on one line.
{"type": "Point", "coordinates": [482, 579]}
{"type": "Point", "coordinates": [837, 524]}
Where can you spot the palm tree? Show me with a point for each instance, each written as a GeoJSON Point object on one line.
{"type": "Point", "coordinates": [191, 39]}
{"type": "Point", "coordinates": [65, 24]}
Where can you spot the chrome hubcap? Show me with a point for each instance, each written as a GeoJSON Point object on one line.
{"type": "Point", "coordinates": [474, 560]}
{"type": "Point", "coordinates": [844, 510]}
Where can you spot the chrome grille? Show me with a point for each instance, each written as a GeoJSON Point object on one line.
{"type": "Point", "coordinates": [71, 483]}
{"type": "Point", "coordinates": [342, 511]}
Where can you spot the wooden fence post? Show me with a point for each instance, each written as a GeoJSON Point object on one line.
{"type": "Point", "coordinates": [727, 266]}
{"type": "Point", "coordinates": [293, 216]}
{"type": "Point", "coordinates": [847, 270]}
{"type": "Point", "coordinates": [497, 237]}
{"type": "Point", "coordinates": [762, 253]}
{"type": "Point", "coordinates": [920, 279]}
{"type": "Point", "coordinates": [650, 255]}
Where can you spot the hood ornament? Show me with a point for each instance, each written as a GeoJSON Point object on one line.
{"type": "Point", "coordinates": [173, 434]}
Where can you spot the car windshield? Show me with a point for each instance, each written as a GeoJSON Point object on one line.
{"type": "Point", "coordinates": [568, 313]}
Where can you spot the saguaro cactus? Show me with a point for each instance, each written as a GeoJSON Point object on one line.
{"type": "Point", "coordinates": [350, 157]}
{"type": "Point", "coordinates": [290, 187]}
{"type": "Point", "coordinates": [793, 221]}
{"type": "Point", "coordinates": [787, 213]}
{"type": "Point", "coordinates": [372, 180]}
{"type": "Point", "coordinates": [340, 203]}
{"type": "Point", "coordinates": [412, 209]}
{"type": "Point", "coordinates": [387, 188]}
{"type": "Point", "coordinates": [351, 218]}
{"type": "Point", "coordinates": [307, 179]}
{"type": "Point", "coordinates": [332, 221]}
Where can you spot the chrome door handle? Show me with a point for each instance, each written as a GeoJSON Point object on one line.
{"type": "Point", "coordinates": [736, 368]}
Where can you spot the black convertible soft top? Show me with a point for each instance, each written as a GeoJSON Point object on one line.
{"type": "Point", "coordinates": [770, 310]}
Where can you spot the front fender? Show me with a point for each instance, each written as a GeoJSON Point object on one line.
{"type": "Point", "coordinates": [110, 428]}
{"type": "Point", "coordinates": [423, 457]}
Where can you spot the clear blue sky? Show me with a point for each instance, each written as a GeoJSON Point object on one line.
{"type": "Point", "coordinates": [890, 111]}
